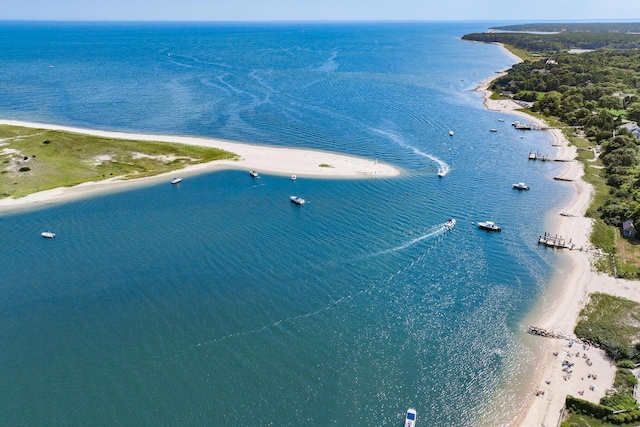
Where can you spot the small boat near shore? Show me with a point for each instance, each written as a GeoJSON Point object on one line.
{"type": "Point", "coordinates": [176, 180]}
{"type": "Point", "coordinates": [521, 186]}
{"type": "Point", "coordinates": [48, 235]}
{"type": "Point", "coordinates": [410, 419]}
{"type": "Point", "coordinates": [297, 200]}
{"type": "Point", "coordinates": [253, 174]}
{"type": "Point", "coordinates": [293, 177]}
{"type": "Point", "coordinates": [489, 226]}
{"type": "Point", "coordinates": [450, 224]}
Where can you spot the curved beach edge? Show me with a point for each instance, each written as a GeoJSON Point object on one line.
{"type": "Point", "coordinates": [568, 293]}
{"type": "Point", "coordinates": [284, 161]}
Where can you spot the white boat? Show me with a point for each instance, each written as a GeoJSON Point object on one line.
{"type": "Point", "coordinates": [441, 173]}
{"type": "Point", "coordinates": [450, 133]}
{"type": "Point", "coordinates": [176, 180]}
{"type": "Point", "coordinates": [450, 224]}
{"type": "Point", "coordinates": [489, 226]}
{"type": "Point", "coordinates": [501, 120]}
{"type": "Point", "coordinates": [410, 419]}
{"type": "Point", "coordinates": [48, 234]}
{"type": "Point", "coordinates": [493, 130]}
{"type": "Point", "coordinates": [293, 177]}
{"type": "Point", "coordinates": [297, 200]}
{"type": "Point", "coordinates": [254, 174]}
{"type": "Point", "coordinates": [521, 186]}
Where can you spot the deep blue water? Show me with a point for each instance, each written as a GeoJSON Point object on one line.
{"type": "Point", "coordinates": [217, 301]}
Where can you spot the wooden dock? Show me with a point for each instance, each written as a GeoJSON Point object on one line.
{"type": "Point", "coordinates": [525, 126]}
{"type": "Point", "coordinates": [555, 242]}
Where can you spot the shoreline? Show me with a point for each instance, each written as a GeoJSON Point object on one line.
{"type": "Point", "coordinates": [282, 161]}
{"type": "Point", "coordinates": [559, 308]}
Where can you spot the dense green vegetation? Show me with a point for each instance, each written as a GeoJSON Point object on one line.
{"type": "Point", "coordinates": [574, 27]}
{"type": "Point", "coordinates": [36, 159]}
{"type": "Point", "coordinates": [560, 42]}
{"type": "Point", "coordinates": [591, 94]}
{"type": "Point", "coordinates": [553, 38]}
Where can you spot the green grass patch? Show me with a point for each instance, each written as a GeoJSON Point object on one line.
{"type": "Point", "coordinates": [524, 93]}
{"type": "Point", "coordinates": [63, 159]}
{"type": "Point", "coordinates": [612, 323]}
{"type": "Point", "coordinates": [325, 165]}
{"type": "Point", "coordinates": [617, 113]}
{"type": "Point", "coordinates": [603, 236]}
{"type": "Point", "coordinates": [581, 420]}
{"type": "Point", "coordinates": [525, 55]}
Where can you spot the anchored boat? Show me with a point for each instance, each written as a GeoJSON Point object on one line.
{"type": "Point", "coordinates": [489, 226]}
{"type": "Point", "coordinates": [521, 186]}
{"type": "Point", "coordinates": [410, 419]}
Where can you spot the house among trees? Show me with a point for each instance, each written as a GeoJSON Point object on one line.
{"type": "Point", "coordinates": [628, 230]}
{"type": "Point", "coordinates": [632, 128]}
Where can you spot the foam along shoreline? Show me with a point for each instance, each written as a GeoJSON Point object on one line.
{"type": "Point", "coordinates": [568, 293]}
{"type": "Point", "coordinates": [266, 159]}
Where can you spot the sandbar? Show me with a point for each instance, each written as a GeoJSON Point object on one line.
{"type": "Point", "coordinates": [304, 163]}
{"type": "Point", "coordinates": [592, 373]}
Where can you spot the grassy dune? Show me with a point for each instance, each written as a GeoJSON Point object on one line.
{"type": "Point", "coordinates": [33, 160]}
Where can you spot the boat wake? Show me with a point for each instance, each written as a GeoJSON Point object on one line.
{"type": "Point", "coordinates": [327, 306]}
{"type": "Point", "coordinates": [433, 232]}
{"type": "Point", "coordinates": [443, 167]}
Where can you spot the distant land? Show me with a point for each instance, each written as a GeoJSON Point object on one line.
{"type": "Point", "coordinates": [560, 37]}
{"type": "Point", "coordinates": [573, 27]}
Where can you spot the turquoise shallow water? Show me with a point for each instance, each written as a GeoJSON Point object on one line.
{"type": "Point", "coordinates": [217, 300]}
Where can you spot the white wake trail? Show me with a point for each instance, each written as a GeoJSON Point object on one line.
{"type": "Point", "coordinates": [442, 165]}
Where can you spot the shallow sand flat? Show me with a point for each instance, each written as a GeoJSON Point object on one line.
{"type": "Point", "coordinates": [570, 294]}
{"type": "Point", "coordinates": [264, 159]}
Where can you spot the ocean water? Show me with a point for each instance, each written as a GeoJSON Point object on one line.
{"type": "Point", "coordinates": [217, 301]}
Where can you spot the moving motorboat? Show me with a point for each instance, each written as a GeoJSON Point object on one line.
{"type": "Point", "coordinates": [410, 419]}
{"type": "Point", "coordinates": [254, 174]}
{"type": "Point", "coordinates": [489, 226]}
{"type": "Point", "coordinates": [521, 186]}
{"type": "Point", "coordinates": [450, 224]}
{"type": "Point", "coordinates": [48, 234]}
{"type": "Point", "coordinates": [441, 173]}
{"type": "Point", "coordinates": [297, 200]}
{"type": "Point", "coordinates": [176, 180]}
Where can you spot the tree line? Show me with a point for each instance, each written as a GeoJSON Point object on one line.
{"type": "Point", "coordinates": [560, 42]}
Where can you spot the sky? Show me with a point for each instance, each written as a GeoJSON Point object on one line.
{"type": "Point", "coordinates": [320, 10]}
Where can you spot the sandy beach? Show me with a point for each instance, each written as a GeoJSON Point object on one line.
{"type": "Point", "coordinates": [591, 373]}
{"type": "Point", "coordinates": [303, 163]}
